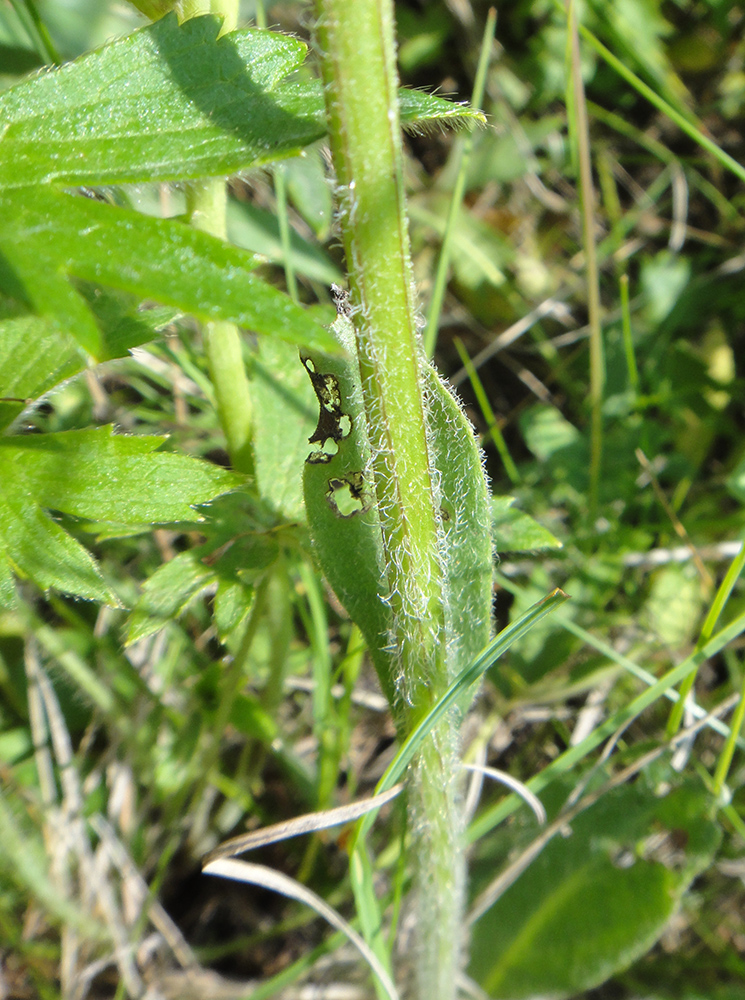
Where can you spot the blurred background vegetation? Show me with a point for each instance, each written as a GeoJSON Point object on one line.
{"type": "Point", "coordinates": [167, 748]}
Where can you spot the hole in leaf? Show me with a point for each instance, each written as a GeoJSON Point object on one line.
{"type": "Point", "coordinates": [333, 424]}
{"type": "Point", "coordinates": [346, 496]}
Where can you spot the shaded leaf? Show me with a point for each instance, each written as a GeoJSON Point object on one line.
{"type": "Point", "coordinates": [257, 230]}
{"type": "Point", "coordinates": [35, 355]}
{"type": "Point", "coordinates": [597, 899]}
{"type": "Point", "coordinates": [167, 593]}
{"type": "Point", "coordinates": [285, 413]}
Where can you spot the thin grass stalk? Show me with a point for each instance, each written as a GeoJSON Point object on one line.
{"type": "Point", "coordinates": [725, 757]}
{"type": "Point", "coordinates": [628, 339]}
{"type": "Point", "coordinates": [491, 818]}
{"type": "Point", "coordinates": [358, 63]}
{"type": "Point", "coordinates": [462, 156]}
{"type": "Point", "coordinates": [675, 116]}
{"type": "Point", "coordinates": [493, 428]}
{"type": "Point", "coordinates": [587, 200]}
{"type": "Point", "coordinates": [718, 604]}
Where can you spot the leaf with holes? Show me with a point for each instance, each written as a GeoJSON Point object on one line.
{"type": "Point", "coordinates": [342, 513]}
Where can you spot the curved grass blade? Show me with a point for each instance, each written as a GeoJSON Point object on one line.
{"type": "Point", "coordinates": [499, 645]}
{"type": "Point", "coordinates": [268, 878]}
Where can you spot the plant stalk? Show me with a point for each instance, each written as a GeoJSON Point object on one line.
{"type": "Point", "coordinates": [358, 61]}
{"type": "Point", "coordinates": [587, 201]}
{"type": "Point", "coordinates": [207, 210]}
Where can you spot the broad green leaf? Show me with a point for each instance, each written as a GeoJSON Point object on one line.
{"type": "Point", "coordinates": [34, 547]}
{"type": "Point", "coordinates": [36, 354]}
{"type": "Point", "coordinates": [597, 899]}
{"type": "Point", "coordinates": [96, 474]}
{"type": "Point", "coordinates": [164, 103]}
{"type": "Point", "coordinates": [343, 519]}
{"type": "Point", "coordinates": [48, 237]}
{"type": "Point", "coordinates": [515, 531]}
{"type": "Point", "coordinates": [90, 474]}
{"type": "Point", "coordinates": [171, 102]}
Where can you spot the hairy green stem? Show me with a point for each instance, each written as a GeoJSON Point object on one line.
{"type": "Point", "coordinates": [358, 60]}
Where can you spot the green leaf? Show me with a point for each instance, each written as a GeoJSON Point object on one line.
{"type": "Point", "coordinates": [35, 355]}
{"type": "Point", "coordinates": [255, 229]}
{"type": "Point", "coordinates": [515, 531]}
{"type": "Point", "coordinates": [233, 601]}
{"type": "Point", "coordinates": [466, 525]}
{"type": "Point", "coordinates": [420, 111]}
{"type": "Point", "coordinates": [283, 421]}
{"type": "Point", "coordinates": [343, 519]}
{"type": "Point", "coordinates": [96, 474]}
{"type": "Point", "coordinates": [48, 236]}
{"type": "Point", "coordinates": [168, 592]}
{"type": "Point", "coordinates": [596, 900]}
{"type": "Point", "coordinates": [340, 505]}
{"type": "Point", "coordinates": [34, 547]}
{"type": "Point", "coordinates": [171, 102]}
{"type": "Point", "coordinates": [166, 102]}
{"type": "Point", "coordinates": [91, 474]}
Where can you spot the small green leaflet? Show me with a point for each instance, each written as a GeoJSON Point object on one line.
{"type": "Point", "coordinates": [516, 531]}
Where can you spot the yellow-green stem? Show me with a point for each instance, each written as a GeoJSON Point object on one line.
{"type": "Point", "coordinates": [207, 210]}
